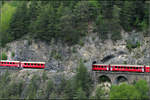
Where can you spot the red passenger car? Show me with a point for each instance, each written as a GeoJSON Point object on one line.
{"type": "Point", "coordinates": [40, 65]}
{"type": "Point", "coordinates": [6, 63]}
{"type": "Point", "coordinates": [128, 68]}
{"type": "Point", "coordinates": [101, 67]}
{"type": "Point", "coordinates": [147, 68]}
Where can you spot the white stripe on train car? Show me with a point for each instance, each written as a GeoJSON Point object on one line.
{"type": "Point", "coordinates": [33, 62]}
{"type": "Point", "coordinates": [8, 61]}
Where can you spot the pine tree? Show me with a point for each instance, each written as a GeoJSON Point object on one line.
{"type": "Point", "coordinates": [19, 24]}
{"type": "Point", "coordinates": [82, 78]}
{"type": "Point", "coordinates": [80, 94]}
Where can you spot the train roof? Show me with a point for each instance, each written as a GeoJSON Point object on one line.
{"type": "Point", "coordinates": [100, 64]}
{"type": "Point", "coordinates": [33, 62]}
{"type": "Point", "coordinates": [126, 65]}
{"type": "Point", "coordinates": [8, 61]}
{"type": "Point", "coordinates": [120, 65]}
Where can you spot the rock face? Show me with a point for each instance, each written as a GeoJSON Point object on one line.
{"type": "Point", "coordinates": [61, 57]}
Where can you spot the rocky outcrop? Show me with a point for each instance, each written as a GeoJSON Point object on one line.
{"type": "Point", "coordinates": [61, 57]}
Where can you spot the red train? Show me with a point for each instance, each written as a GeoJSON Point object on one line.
{"type": "Point", "coordinates": [122, 68]}
{"type": "Point", "coordinates": [19, 64]}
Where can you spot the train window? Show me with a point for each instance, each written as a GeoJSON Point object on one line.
{"type": "Point", "coordinates": [38, 64]}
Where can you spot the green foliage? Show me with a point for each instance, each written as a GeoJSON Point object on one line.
{"type": "Point", "coordinates": [124, 91]}
{"type": "Point", "coordinates": [19, 22]}
{"type": "Point", "coordinates": [5, 79]}
{"type": "Point", "coordinates": [44, 76]}
{"type": "Point", "coordinates": [33, 87]}
{"type": "Point", "coordinates": [56, 54]}
{"type": "Point", "coordinates": [131, 46]}
{"type": "Point", "coordinates": [102, 27]}
{"type": "Point", "coordinates": [12, 54]}
{"type": "Point", "coordinates": [99, 93]}
{"type": "Point", "coordinates": [49, 89]}
{"type": "Point", "coordinates": [116, 36]}
{"type": "Point", "coordinates": [45, 27]}
{"type": "Point", "coordinates": [143, 88]}
{"type": "Point", "coordinates": [3, 56]}
{"type": "Point", "coordinates": [7, 11]}
{"type": "Point", "coordinates": [80, 94]}
{"type": "Point", "coordinates": [15, 89]}
{"type": "Point", "coordinates": [82, 78]}
{"type": "Point", "coordinates": [68, 21]}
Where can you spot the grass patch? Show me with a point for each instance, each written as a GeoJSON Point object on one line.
{"type": "Point", "coordinates": [7, 12]}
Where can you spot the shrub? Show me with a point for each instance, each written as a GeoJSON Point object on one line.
{"type": "Point", "coordinates": [116, 36]}
{"type": "Point", "coordinates": [4, 56]}
{"type": "Point", "coordinates": [130, 45]}
{"type": "Point", "coordinates": [12, 54]}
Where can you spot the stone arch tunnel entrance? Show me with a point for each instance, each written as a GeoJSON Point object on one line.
{"type": "Point", "coordinates": [104, 78]}
{"type": "Point", "coordinates": [105, 83]}
{"type": "Point", "coordinates": [121, 79]}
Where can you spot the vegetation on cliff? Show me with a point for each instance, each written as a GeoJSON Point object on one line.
{"type": "Point", "coordinates": [69, 20]}
{"type": "Point", "coordinates": [80, 86]}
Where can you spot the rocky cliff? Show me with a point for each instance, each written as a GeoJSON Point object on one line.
{"type": "Point", "coordinates": [61, 57]}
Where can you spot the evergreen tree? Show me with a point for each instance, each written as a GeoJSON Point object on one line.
{"type": "Point", "coordinates": [82, 78]}
{"type": "Point", "coordinates": [19, 23]}
{"type": "Point", "coordinates": [127, 15]}
{"type": "Point", "coordinates": [80, 94]}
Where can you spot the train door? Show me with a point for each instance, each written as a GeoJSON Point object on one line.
{"type": "Point", "coordinates": [142, 69]}
{"type": "Point", "coordinates": [107, 68]}
{"type": "Point", "coordinates": [111, 68]}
